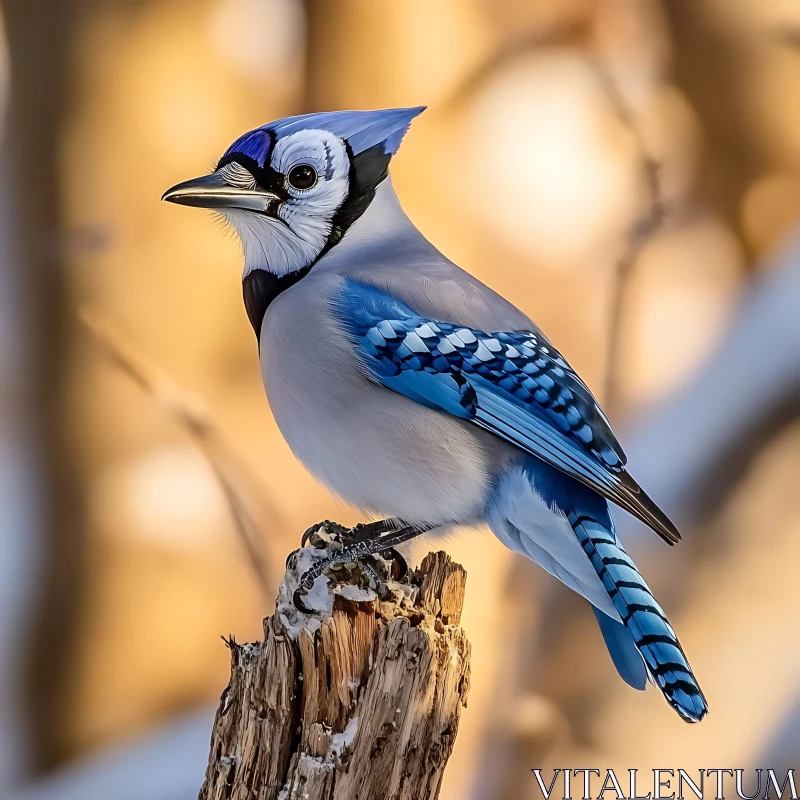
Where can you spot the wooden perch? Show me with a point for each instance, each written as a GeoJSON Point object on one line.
{"type": "Point", "coordinates": [360, 700]}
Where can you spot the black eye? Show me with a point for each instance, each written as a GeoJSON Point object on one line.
{"type": "Point", "coordinates": [302, 176]}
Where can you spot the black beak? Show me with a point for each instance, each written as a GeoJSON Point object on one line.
{"type": "Point", "coordinates": [212, 191]}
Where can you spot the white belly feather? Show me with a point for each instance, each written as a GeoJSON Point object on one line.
{"type": "Point", "coordinates": [374, 448]}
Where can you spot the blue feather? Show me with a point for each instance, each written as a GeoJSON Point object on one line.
{"type": "Point", "coordinates": [361, 129]}
{"type": "Point", "coordinates": [645, 623]}
{"type": "Point", "coordinates": [514, 384]}
{"type": "Point", "coordinates": [622, 649]}
{"type": "Point", "coordinates": [642, 616]}
{"type": "Point", "coordinates": [519, 372]}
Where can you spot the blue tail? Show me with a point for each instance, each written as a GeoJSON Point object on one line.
{"type": "Point", "coordinates": [641, 615]}
{"type": "Point", "coordinates": [623, 651]}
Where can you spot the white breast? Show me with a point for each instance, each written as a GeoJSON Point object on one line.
{"type": "Point", "coordinates": [374, 448]}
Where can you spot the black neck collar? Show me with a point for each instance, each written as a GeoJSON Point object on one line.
{"type": "Point", "coordinates": [260, 288]}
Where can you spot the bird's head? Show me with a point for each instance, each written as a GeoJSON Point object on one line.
{"type": "Point", "coordinates": [293, 187]}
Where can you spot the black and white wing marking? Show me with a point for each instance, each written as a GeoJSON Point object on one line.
{"type": "Point", "coordinates": [512, 383]}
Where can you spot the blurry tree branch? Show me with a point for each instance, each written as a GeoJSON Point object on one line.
{"type": "Point", "coordinates": [643, 228]}
{"type": "Point", "coordinates": [254, 513]}
{"type": "Point", "coordinates": [20, 482]}
{"type": "Point", "coordinates": [654, 212]}
{"type": "Point", "coordinates": [692, 450]}
{"type": "Point", "coordinates": [52, 544]}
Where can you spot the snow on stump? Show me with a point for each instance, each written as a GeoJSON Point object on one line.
{"type": "Point", "coordinates": [358, 701]}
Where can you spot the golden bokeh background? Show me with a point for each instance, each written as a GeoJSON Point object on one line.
{"type": "Point", "coordinates": [627, 171]}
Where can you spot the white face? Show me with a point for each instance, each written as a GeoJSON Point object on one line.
{"type": "Point", "coordinates": [315, 169]}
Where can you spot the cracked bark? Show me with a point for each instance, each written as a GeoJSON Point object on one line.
{"type": "Point", "coordinates": [362, 701]}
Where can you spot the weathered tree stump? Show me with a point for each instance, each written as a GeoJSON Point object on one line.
{"type": "Point", "coordinates": [359, 701]}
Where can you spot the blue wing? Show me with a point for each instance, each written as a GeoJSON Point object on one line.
{"type": "Point", "coordinates": [511, 383]}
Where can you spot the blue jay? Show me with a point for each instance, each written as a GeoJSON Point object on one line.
{"type": "Point", "coordinates": [413, 390]}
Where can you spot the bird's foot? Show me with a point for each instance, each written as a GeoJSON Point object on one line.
{"type": "Point", "coordinates": [354, 555]}
{"type": "Point", "coordinates": [332, 536]}
{"type": "Point", "coordinates": [323, 532]}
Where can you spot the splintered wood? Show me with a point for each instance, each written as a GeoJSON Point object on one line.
{"type": "Point", "coordinates": [360, 702]}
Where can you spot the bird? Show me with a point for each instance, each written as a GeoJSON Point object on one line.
{"type": "Point", "coordinates": [415, 392]}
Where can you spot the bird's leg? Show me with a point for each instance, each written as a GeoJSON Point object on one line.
{"type": "Point", "coordinates": [351, 553]}
{"type": "Point", "coordinates": [361, 532]}
{"type": "Point", "coordinates": [364, 530]}
{"type": "Point", "coordinates": [369, 530]}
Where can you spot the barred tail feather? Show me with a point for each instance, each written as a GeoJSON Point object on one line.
{"type": "Point", "coordinates": [652, 634]}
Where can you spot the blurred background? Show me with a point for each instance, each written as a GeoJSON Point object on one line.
{"type": "Point", "coordinates": [627, 171]}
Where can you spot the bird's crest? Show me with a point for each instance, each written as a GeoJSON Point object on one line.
{"type": "Point", "coordinates": [361, 130]}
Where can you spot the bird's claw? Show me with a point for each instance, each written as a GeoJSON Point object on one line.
{"type": "Point", "coordinates": [398, 568]}
{"type": "Point", "coordinates": [306, 583]}
{"type": "Point", "coordinates": [333, 530]}
{"type": "Point", "coordinates": [354, 548]}
{"type": "Point", "coordinates": [297, 600]}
